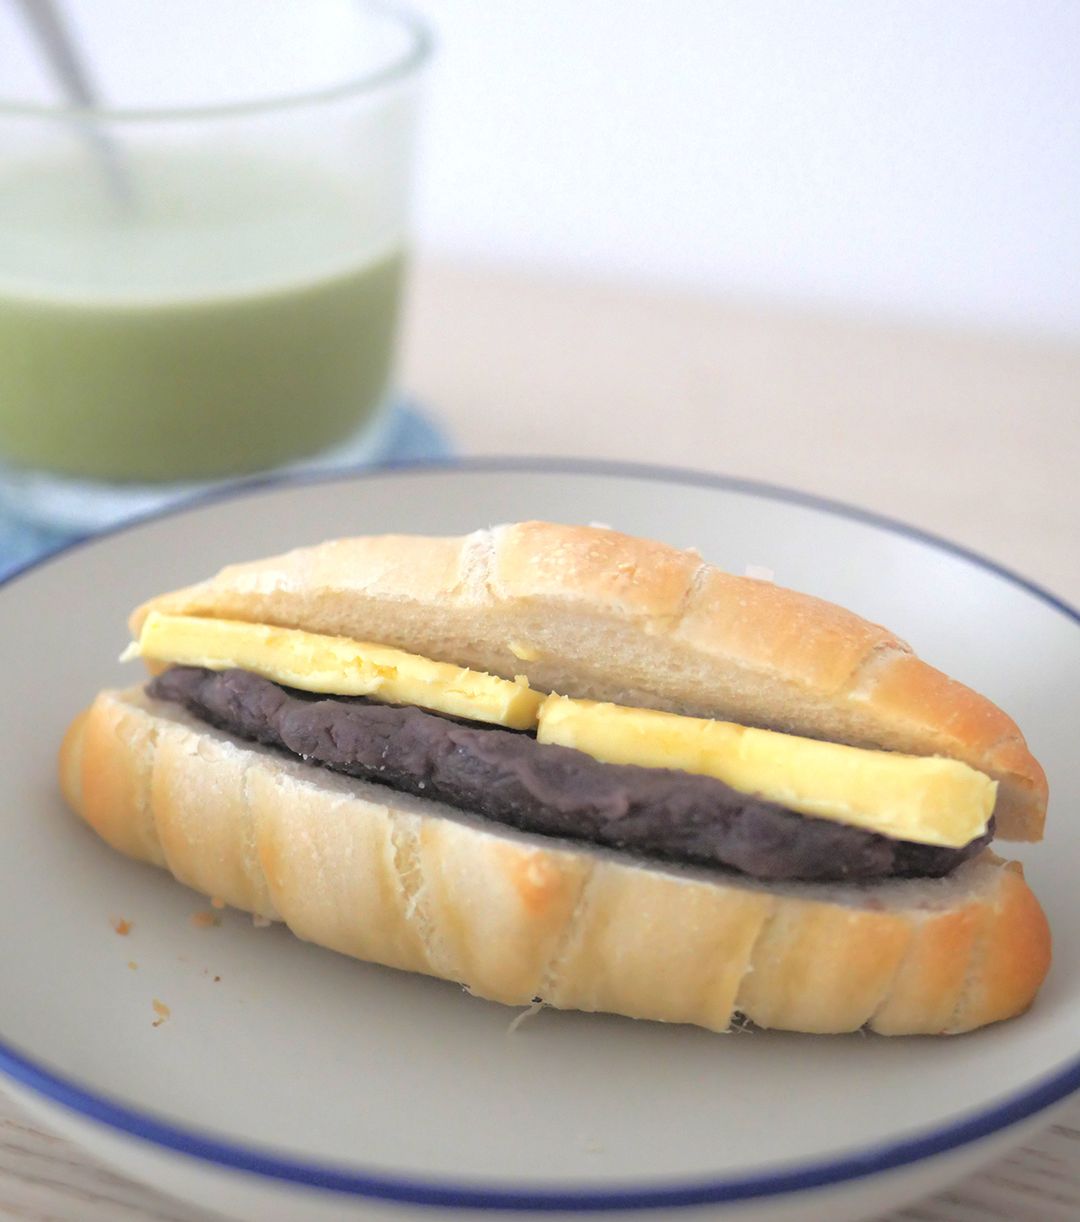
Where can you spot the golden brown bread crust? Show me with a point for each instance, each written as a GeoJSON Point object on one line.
{"type": "Point", "coordinates": [598, 614]}
{"type": "Point", "coordinates": [411, 884]}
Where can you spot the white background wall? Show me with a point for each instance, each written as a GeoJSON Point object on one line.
{"type": "Point", "coordinates": [914, 156]}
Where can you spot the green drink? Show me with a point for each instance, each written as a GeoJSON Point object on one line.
{"type": "Point", "coordinates": [202, 252]}
{"type": "Point", "coordinates": [182, 348]}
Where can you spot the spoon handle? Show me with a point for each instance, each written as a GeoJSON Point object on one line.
{"type": "Point", "coordinates": [58, 48]}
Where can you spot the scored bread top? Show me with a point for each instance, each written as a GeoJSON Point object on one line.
{"type": "Point", "coordinates": [592, 613]}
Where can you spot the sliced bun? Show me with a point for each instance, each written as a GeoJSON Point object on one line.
{"type": "Point", "coordinates": [593, 613]}
{"type": "Point", "coordinates": [415, 885]}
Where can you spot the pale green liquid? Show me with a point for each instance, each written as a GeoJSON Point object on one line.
{"type": "Point", "coordinates": [230, 332]}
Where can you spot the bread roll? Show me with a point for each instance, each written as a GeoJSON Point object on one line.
{"type": "Point", "coordinates": [418, 886]}
{"type": "Point", "coordinates": [596, 614]}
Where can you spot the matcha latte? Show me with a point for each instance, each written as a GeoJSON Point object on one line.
{"type": "Point", "coordinates": [236, 313]}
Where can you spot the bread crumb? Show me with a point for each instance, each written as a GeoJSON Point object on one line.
{"type": "Point", "coordinates": [162, 1011]}
{"type": "Point", "coordinates": [524, 1016]}
{"type": "Point", "coordinates": [259, 921]}
{"type": "Point", "coordinates": [760, 572]}
{"type": "Point", "coordinates": [217, 979]}
{"type": "Point", "coordinates": [217, 902]}
{"type": "Point", "coordinates": [205, 919]}
{"type": "Point", "coordinates": [132, 965]}
{"type": "Point", "coordinates": [122, 927]}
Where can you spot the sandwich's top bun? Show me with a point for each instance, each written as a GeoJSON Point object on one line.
{"type": "Point", "coordinates": [597, 614]}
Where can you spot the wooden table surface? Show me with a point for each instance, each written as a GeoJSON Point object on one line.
{"type": "Point", "coordinates": [970, 435]}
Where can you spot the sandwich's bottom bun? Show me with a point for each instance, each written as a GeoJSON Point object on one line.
{"type": "Point", "coordinates": [408, 883]}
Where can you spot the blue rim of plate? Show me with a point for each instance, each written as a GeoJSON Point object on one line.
{"type": "Point", "coordinates": [874, 1160]}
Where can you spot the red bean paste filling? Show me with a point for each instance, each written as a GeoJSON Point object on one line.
{"type": "Point", "coordinates": [510, 778]}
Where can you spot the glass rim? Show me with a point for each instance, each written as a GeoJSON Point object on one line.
{"type": "Point", "coordinates": [399, 68]}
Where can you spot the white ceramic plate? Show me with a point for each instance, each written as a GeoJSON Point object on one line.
{"type": "Point", "coordinates": [303, 1084]}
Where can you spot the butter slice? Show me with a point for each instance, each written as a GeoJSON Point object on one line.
{"type": "Point", "coordinates": [925, 799]}
{"type": "Point", "coordinates": [928, 800]}
{"type": "Point", "coordinates": [337, 666]}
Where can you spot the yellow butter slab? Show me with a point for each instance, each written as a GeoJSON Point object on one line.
{"type": "Point", "coordinates": [337, 666]}
{"type": "Point", "coordinates": [929, 800]}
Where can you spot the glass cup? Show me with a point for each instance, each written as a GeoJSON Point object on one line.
{"type": "Point", "coordinates": [203, 227]}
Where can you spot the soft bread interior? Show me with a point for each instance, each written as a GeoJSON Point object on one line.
{"type": "Point", "coordinates": [414, 885]}
{"type": "Point", "coordinates": [599, 615]}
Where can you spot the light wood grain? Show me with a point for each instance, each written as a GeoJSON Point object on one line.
{"type": "Point", "coordinates": [973, 436]}
{"type": "Point", "coordinates": [45, 1177]}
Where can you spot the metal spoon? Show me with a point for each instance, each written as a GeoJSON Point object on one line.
{"type": "Point", "coordinates": [59, 49]}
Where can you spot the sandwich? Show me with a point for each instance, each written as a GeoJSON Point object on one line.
{"type": "Point", "coordinates": [562, 765]}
